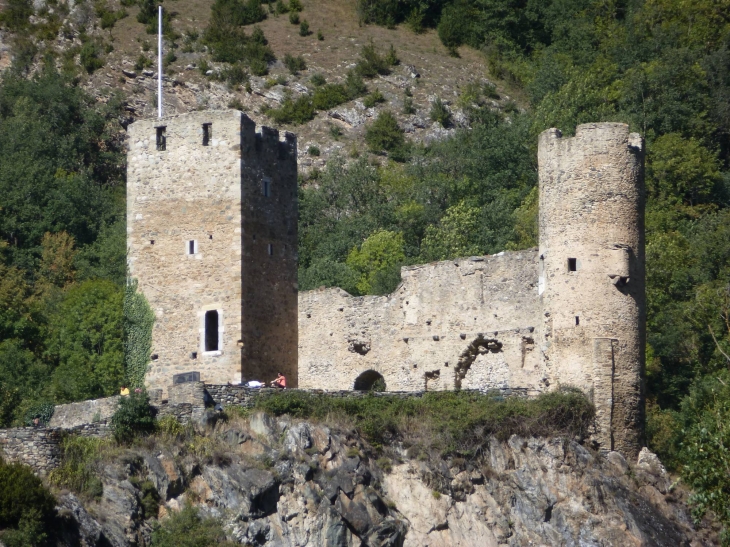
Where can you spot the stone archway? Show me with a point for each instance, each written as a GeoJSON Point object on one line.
{"type": "Point", "coordinates": [370, 380]}
{"type": "Point", "coordinates": [479, 346]}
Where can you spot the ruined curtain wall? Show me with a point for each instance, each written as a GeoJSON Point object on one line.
{"type": "Point", "coordinates": [466, 323]}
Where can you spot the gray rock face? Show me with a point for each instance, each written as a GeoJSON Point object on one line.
{"type": "Point", "coordinates": [278, 482]}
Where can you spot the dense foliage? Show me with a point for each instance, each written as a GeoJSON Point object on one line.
{"type": "Point", "coordinates": [188, 528]}
{"type": "Point", "coordinates": [26, 506]}
{"type": "Point", "coordinates": [62, 245]}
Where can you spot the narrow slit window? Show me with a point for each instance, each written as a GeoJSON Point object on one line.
{"type": "Point", "coordinates": [192, 247]}
{"type": "Point", "coordinates": [211, 330]}
{"type": "Point", "coordinates": [270, 249]}
{"type": "Point", "coordinates": [207, 133]}
{"type": "Point", "coordinates": [572, 264]}
{"type": "Point", "coordinates": [577, 320]}
{"type": "Point", "coordinates": [266, 187]}
{"type": "Point", "coordinates": [161, 140]}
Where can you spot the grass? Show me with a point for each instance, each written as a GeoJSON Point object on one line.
{"type": "Point", "coordinates": [451, 423]}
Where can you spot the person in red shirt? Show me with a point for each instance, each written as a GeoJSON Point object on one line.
{"type": "Point", "coordinates": [280, 381]}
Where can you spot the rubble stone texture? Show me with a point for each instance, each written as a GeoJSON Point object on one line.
{"type": "Point", "coordinates": [212, 235]}
{"type": "Point", "coordinates": [570, 314]}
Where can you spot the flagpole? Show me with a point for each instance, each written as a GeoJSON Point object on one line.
{"type": "Point", "coordinates": [159, 63]}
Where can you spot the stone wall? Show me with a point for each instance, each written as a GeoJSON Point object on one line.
{"type": "Point", "coordinates": [468, 323]}
{"type": "Point", "coordinates": [194, 209]}
{"type": "Point", "coordinates": [85, 412]}
{"type": "Point", "coordinates": [37, 447]}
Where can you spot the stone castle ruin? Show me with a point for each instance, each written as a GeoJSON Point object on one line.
{"type": "Point", "coordinates": [212, 235]}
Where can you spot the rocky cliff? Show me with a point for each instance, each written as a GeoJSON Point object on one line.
{"type": "Point", "coordinates": [276, 481]}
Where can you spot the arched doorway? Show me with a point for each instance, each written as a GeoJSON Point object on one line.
{"type": "Point", "coordinates": [370, 380]}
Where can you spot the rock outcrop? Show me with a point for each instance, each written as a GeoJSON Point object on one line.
{"type": "Point", "coordinates": [280, 482]}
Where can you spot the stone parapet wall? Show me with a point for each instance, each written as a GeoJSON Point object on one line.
{"type": "Point", "coordinates": [85, 412]}
{"type": "Point", "coordinates": [39, 448]}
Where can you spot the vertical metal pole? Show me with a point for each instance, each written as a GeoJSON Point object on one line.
{"type": "Point", "coordinates": [159, 63]}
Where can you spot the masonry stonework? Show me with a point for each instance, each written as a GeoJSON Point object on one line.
{"type": "Point", "coordinates": [212, 234]}
{"type": "Point", "coordinates": [569, 314]}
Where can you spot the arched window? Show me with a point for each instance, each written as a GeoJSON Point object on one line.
{"type": "Point", "coordinates": [370, 381]}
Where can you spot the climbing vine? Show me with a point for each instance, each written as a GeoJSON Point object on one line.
{"type": "Point", "coordinates": [138, 321]}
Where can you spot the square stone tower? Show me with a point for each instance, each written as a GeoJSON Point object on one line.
{"type": "Point", "coordinates": [212, 240]}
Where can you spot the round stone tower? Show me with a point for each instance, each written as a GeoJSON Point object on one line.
{"type": "Point", "coordinates": [592, 273]}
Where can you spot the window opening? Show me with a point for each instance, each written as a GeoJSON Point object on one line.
{"type": "Point", "coordinates": [191, 247]}
{"type": "Point", "coordinates": [271, 249]}
{"type": "Point", "coordinates": [161, 140]}
{"type": "Point", "coordinates": [211, 330]}
{"type": "Point", "coordinates": [154, 357]}
{"type": "Point", "coordinates": [207, 133]}
{"type": "Point", "coordinates": [572, 264]}
{"type": "Point", "coordinates": [266, 187]}
{"type": "Point", "coordinates": [152, 241]}
{"type": "Point", "coordinates": [194, 355]}
{"type": "Point", "coordinates": [577, 320]}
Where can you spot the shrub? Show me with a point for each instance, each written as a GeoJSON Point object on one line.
{"type": "Point", "coordinates": [295, 5]}
{"type": "Point", "coordinates": [290, 111]}
{"type": "Point", "coordinates": [391, 57]}
{"type": "Point", "coordinates": [313, 151]}
{"type": "Point", "coordinates": [317, 80]}
{"type": "Point", "coordinates": [229, 44]}
{"type": "Point", "coordinates": [76, 471]}
{"type": "Point", "coordinates": [169, 58]}
{"type": "Point", "coordinates": [374, 98]}
{"type": "Point", "coordinates": [294, 64]}
{"type": "Point", "coordinates": [133, 417]}
{"type": "Point", "coordinates": [384, 134]}
{"type": "Point", "coordinates": [41, 411]}
{"type": "Point", "coordinates": [294, 18]}
{"type": "Point", "coordinates": [320, 36]}
{"type": "Point", "coordinates": [142, 62]}
{"type": "Point", "coordinates": [453, 27]}
{"type": "Point", "coordinates": [354, 85]}
{"type": "Point", "coordinates": [237, 12]}
{"type": "Point", "coordinates": [170, 426]}
{"type": "Point", "coordinates": [371, 63]}
{"type": "Point", "coordinates": [280, 7]}
{"type": "Point", "coordinates": [187, 528]}
{"type": "Point", "coordinates": [408, 107]}
{"type": "Point", "coordinates": [90, 57]}
{"type": "Point", "coordinates": [304, 28]}
{"type": "Point", "coordinates": [20, 493]}
{"type": "Point", "coordinates": [235, 75]}
{"type": "Point", "coordinates": [439, 113]}
{"type": "Point", "coordinates": [329, 96]}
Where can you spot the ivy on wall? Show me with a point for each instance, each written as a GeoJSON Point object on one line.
{"type": "Point", "coordinates": [138, 321]}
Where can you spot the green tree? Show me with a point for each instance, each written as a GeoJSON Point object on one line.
{"type": "Point", "coordinates": [384, 134]}
{"type": "Point", "coordinates": [457, 234]}
{"type": "Point", "coordinates": [378, 256]}
{"type": "Point", "coordinates": [88, 342]}
{"type": "Point", "coordinates": [187, 528]}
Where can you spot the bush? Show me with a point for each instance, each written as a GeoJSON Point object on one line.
{"type": "Point", "coordinates": [290, 111]}
{"type": "Point", "coordinates": [453, 27]}
{"type": "Point", "coordinates": [313, 151]}
{"type": "Point", "coordinates": [76, 471]}
{"type": "Point", "coordinates": [371, 63]}
{"type": "Point", "coordinates": [320, 36]}
{"type": "Point", "coordinates": [304, 28]}
{"type": "Point", "coordinates": [187, 528]}
{"type": "Point", "coordinates": [317, 80]}
{"type": "Point", "coordinates": [133, 417]}
{"type": "Point", "coordinates": [294, 64]}
{"type": "Point", "coordinates": [236, 12]}
{"type": "Point", "coordinates": [384, 134]}
{"type": "Point", "coordinates": [90, 57]}
{"type": "Point", "coordinates": [20, 493]}
{"type": "Point", "coordinates": [142, 62]}
{"type": "Point", "coordinates": [295, 5]}
{"type": "Point", "coordinates": [439, 113]}
{"type": "Point", "coordinates": [230, 44]}
{"type": "Point", "coordinates": [329, 96]}
{"type": "Point", "coordinates": [235, 75]}
{"type": "Point", "coordinates": [294, 18]}
{"type": "Point", "coordinates": [408, 107]}
{"type": "Point", "coordinates": [374, 98]}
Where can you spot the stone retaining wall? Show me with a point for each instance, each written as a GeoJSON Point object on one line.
{"type": "Point", "coordinates": [40, 448]}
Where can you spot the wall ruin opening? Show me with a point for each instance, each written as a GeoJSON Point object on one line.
{"type": "Point", "coordinates": [479, 346]}
{"type": "Point", "coordinates": [370, 380]}
{"type": "Point", "coordinates": [207, 133]}
{"type": "Point", "coordinates": [161, 139]}
{"type": "Point", "coordinates": [572, 264]}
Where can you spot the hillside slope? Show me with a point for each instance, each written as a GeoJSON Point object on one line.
{"type": "Point", "coordinates": [425, 67]}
